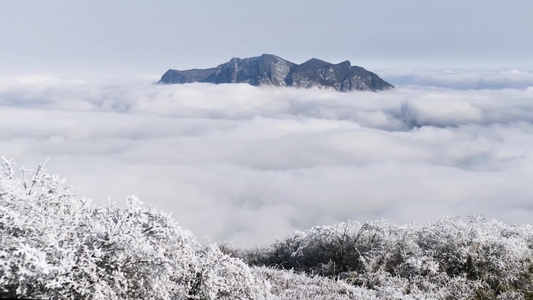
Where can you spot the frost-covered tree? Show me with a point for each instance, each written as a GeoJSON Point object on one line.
{"type": "Point", "coordinates": [53, 245]}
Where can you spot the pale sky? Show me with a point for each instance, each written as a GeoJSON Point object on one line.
{"type": "Point", "coordinates": [156, 35]}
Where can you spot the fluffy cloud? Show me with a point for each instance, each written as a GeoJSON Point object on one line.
{"type": "Point", "coordinates": [462, 80]}
{"type": "Point", "coordinates": [249, 164]}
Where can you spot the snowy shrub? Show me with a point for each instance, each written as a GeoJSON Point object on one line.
{"type": "Point", "coordinates": [478, 259]}
{"type": "Point", "coordinates": [53, 245]}
{"type": "Point", "coordinates": [219, 276]}
{"type": "Point", "coordinates": [293, 286]}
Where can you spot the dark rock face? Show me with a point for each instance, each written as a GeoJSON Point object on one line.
{"type": "Point", "coordinates": [194, 75]}
{"type": "Point", "coordinates": [272, 70]}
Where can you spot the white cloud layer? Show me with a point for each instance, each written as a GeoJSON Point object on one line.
{"type": "Point", "coordinates": [248, 164]}
{"type": "Point", "coordinates": [462, 80]}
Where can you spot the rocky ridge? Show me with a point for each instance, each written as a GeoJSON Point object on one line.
{"type": "Point", "coordinates": [269, 69]}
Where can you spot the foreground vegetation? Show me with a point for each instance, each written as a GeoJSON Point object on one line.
{"type": "Point", "coordinates": [449, 259]}
{"type": "Point", "coordinates": [53, 245]}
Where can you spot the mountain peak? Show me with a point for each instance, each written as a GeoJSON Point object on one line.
{"type": "Point", "coordinates": [314, 63]}
{"type": "Point", "coordinates": [345, 63]}
{"type": "Point", "coordinates": [264, 56]}
{"type": "Point", "coordinates": [269, 69]}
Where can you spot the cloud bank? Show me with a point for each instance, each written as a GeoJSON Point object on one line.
{"type": "Point", "coordinates": [461, 80]}
{"type": "Point", "coordinates": [249, 164]}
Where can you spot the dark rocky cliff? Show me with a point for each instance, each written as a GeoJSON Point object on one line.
{"type": "Point", "coordinates": [273, 70]}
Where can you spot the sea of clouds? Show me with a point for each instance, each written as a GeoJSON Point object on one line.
{"type": "Point", "coordinates": [249, 164]}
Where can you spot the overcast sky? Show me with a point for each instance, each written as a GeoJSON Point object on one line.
{"type": "Point", "coordinates": [139, 35]}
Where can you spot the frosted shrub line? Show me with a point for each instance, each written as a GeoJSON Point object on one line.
{"type": "Point", "coordinates": [54, 245]}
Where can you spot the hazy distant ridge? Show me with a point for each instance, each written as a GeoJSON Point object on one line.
{"type": "Point", "coordinates": [269, 69]}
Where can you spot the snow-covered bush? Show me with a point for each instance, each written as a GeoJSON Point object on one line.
{"type": "Point", "coordinates": [53, 245]}
{"type": "Point", "coordinates": [56, 246]}
{"type": "Point", "coordinates": [452, 258]}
